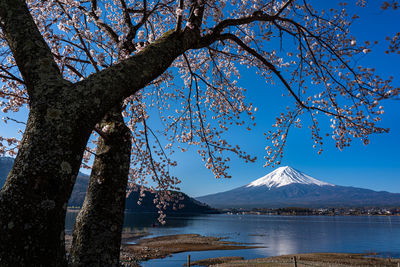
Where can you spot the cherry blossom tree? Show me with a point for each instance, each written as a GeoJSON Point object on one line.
{"type": "Point", "coordinates": [72, 63]}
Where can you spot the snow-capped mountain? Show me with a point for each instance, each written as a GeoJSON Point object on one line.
{"type": "Point", "coordinates": [285, 176]}
{"type": "Point", "coordinates": [287, 186]}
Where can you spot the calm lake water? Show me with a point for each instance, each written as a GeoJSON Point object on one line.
{"type": "Point", "coordinates": [279, 234]}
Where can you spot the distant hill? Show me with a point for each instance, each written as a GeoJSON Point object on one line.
{"type": "Point", "coordinates": [191, 206]}
{"type": "Point", "coordinates": [287, 187]}
{"type": "Point", "coordinates": [5, 167]}
{"type": "Point", "coordinates": [79, 191]}
{"type": "Point", "coordinates": [78, 194]}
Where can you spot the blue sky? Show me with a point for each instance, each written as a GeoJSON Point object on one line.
{"type": "Point", "coordinates": [376, 166]}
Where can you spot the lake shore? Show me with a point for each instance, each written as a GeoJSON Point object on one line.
{"type": "Point", "coordinates": [136, 248]}
{"type": "Point", "coordinates": [304, 260]}
{"type": "Point", "coordinates": [163, 246]}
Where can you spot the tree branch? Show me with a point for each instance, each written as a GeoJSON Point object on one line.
{"type": "Point", "coordinates": [180, 17]}
{"type": "Point", "coordinates": [103, 26]}
{"type": "Point", "coordinates": [283, 8]}
{"type": "Point", "coordinates": [268, 64]}
{"type": "Point", "coordinates": [32, 55]}
{"type": "Point", "coordinates": [210, 38]}
{"type": "Point", "coordinates": [121, 80]}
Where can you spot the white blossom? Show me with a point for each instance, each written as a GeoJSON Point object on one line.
{"type": "Point", "coordinates": [140, 35]}
{"type": "Point", "coordinates": [179, 11]}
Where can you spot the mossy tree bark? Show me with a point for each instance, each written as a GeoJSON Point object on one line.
{"type": "Point", "coordinates": [98, 227]}
{"type": "Point", "coordinates": [34, 198]}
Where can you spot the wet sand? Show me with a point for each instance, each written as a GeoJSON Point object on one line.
{"type": "Point", "coordinates": [162, 246]}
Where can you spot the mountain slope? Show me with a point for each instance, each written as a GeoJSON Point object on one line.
{"type": "Point", "coordinates": [286, 187]}
{"type": "Point", "coordinates": [78, 193]}
{"type": "Point", "coordinates": [190, 205]}
{"type": "Point", "coordinates": [5, 167]}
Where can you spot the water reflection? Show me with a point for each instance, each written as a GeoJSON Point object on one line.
{"type": "Point", "coordinates": [278, 234]}
{"type": "Point", "coordinates": [70, 220]}
{"type": "Point", "coordinates": [134, 221]}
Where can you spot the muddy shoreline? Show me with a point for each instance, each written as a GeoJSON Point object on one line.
{"type": "Point", "coordinates": [137, 248]}
{"type": "Point", "coordinates": [315, 259]}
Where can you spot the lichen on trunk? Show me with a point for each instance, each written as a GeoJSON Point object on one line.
{"type": "Point", "coordinates": [33, 201]}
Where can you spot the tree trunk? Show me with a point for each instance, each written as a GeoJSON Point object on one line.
{"type": "Point", "coordinates": [98, 227]}
{"type": "Point", "coordinates": [33, 201]}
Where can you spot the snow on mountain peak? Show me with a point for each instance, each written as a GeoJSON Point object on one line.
{"type": "Point", "coordinates": [284, 176]}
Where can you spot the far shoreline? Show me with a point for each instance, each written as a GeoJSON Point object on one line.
{"type": "Point", "coordinates": [291, 211]}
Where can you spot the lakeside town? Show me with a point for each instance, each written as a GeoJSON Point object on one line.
{"type": "Point", "coordinates": [299, 211]}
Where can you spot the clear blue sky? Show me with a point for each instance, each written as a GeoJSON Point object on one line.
{"type": "Point", "coordinates": [376, 166]}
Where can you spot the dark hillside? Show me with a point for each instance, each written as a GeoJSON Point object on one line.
{"type": "Point", "coordinates": [191, 206]}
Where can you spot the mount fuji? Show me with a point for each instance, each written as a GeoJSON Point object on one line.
{"type": "Point", "coordinates": [287, 186]}
{"type": "Point", "coordinates": [285, 176]}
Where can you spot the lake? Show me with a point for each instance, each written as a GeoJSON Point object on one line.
{"type": "Point", "coordinates": [279, 234]}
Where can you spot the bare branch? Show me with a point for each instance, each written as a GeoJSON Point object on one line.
{"type": "Point", "coordinates": [31, 53]}
{"type": "Point", "coordinates": [265, 62]}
